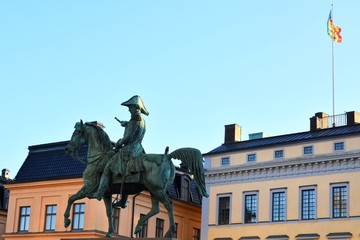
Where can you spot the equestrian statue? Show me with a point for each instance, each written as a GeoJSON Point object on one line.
{"type": "Point", "coordinates": [126, 169]}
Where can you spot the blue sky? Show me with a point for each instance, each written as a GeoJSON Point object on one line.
{"type": "Point", "coordinates": [198, 65]}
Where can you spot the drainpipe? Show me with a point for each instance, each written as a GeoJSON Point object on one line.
{"type": "Point", "coordinates": [133, 210]}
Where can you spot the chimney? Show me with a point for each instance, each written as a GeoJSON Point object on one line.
{"type": "Point", "coordinates": [319, 121]}
{"type": "Point", "coordinates": [352, 118]}
{"type": "Point", "coordinates": [232, 133]}
{"type": "Point", "coordinates": [5, 173]}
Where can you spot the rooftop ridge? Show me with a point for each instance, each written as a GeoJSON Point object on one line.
{"type": "Point", "coordinates": [287, 139]}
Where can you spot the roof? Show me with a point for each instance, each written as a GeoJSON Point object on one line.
{"type": "Point", "coordinates": [49, 162]}
{"type": "Point", "coordinates": [335, 132]}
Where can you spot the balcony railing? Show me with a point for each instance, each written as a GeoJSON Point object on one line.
{"type": "Point", "coordinates": [336, 120]}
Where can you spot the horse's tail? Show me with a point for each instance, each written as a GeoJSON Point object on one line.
{"type": "Point", "coordinates": [193, 159]}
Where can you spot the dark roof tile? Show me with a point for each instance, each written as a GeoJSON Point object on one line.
{"type": "Point", "coordinates": [287, 139]}
{"type": "Point", "coordinates": [49, 162]}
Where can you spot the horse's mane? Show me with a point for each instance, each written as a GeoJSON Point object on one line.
{"type": "Point", "coordinates": [103, 136]}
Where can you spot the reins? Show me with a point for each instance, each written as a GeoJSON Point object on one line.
{"type": "Point", "coordinates": [89, 162]}
{"type": "Point", "coordinates": [96, 157]}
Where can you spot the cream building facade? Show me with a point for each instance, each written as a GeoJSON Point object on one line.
{"type": "Point", "coordinates": [296, 186]}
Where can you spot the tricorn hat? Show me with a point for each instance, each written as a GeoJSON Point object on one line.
{"type": "Point", "coordinates": [136, 100]}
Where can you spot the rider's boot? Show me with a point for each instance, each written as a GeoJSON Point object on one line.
{"type": "Point", "coordinates": [122, 202]}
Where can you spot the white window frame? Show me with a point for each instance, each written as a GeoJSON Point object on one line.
{"type": "Point", "coordinates": [225, 164]}
{"type": "Point", "coordinates": [257, 205]}
{"type": "Point", "coordinates": [217, 207]}
{"type": "Point", "coordinates": [251, 154]}
{"type": "Point", "coordinates": [51, 216]}
{"type": "Point", "coordinates": [24, 218]}
{"type": "Point", "coordinates": [272, 204]}
{"type": "Point", "coordinates": [301, 203]}
{"type": "Point", "coordinates": [308, 154]}
{"type": "Point", "coordinates": [159, 228]}
{"type": "Point", "coordinates": [332, 186]}
{"type": "Point", "coordinates": [339, 150]}
{"type": "Point", "coordinates": [278, 150]}
{"type": "Point", "coordinates": [80, 213]}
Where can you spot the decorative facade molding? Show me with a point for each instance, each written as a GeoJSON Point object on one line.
{"type": "Point", "coordinates": [284, 169]}
{"type": "Point", "coordinates": [278, 237]}
{"type": "Point", "coordinates": [250, 238]}
{"type": "Point", "coordinates": [339, 235]}
{"type": "Point", "coordinates": [308, 236]}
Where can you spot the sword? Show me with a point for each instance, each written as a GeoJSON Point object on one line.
{"type": "Point", "coordinates": [122, 123]}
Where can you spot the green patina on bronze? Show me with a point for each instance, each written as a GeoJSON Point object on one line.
{"type": "Point", "coordinates": [126, 169]}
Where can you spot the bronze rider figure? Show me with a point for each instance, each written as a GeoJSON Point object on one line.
{"type": "Point", "coordinates": [127, 147]}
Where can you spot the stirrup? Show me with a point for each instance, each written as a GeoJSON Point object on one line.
{"type": "Point", "coordinates": [119, 203]}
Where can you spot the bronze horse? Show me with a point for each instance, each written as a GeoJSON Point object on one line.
{"type": "Point", "coordinates": [157, 176]}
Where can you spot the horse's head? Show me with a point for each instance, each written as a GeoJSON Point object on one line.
{"type": "Point", "coordinates": [78, 139]}
{"type": "Point", "coordinates": [90, 134]}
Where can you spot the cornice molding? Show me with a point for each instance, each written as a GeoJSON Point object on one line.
{"type": "Point", "coordinates": [277, 169]}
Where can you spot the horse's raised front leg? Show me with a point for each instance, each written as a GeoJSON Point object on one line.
{"type": "Point", "coordinates": [108, 206]}
{"type": "Point", "coordinates": [155, 209]}
{"type": "Point", "coordinates": [79, 195]}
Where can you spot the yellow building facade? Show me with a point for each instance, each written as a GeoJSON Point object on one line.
{"type": "Point", "coordinates": [43, 185]}
{"type": "Point", "coordinates": [295, 186]}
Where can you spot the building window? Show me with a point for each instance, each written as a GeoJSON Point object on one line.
{"type": "Point", "coordinates": [308, 203]}
{"type": "Point", "coordinates": [225, 161]}
{"type": "Point", "coordinates": [308, 150]}
{"type": "Point", "coordinates": [278, 210]}
{"type": "Point", "coordinates": [116, 219]}
{"type": "Point", "coordinates": [185, 189]}
{"type": "Point", "coordinates": [78, 216]}
{"type": "Point", "coordinates": [339, 202]}
{"type": "Point", "coordinates": [250, 202]}
{"type": "Point", "coordinates": [159, 231]}
{"type": "Point", "coordinates": [50, 218]}
{"type": "Point", "coordinates": [174, 234]}
{"type": "Point", "coordinates": [339, 146]}
{"type": "Point", "coordinates": [223, 210]}
{"type": "Point", "coordinates": [24, 219]}
{"type": "Point", "coordinates": [196, 234]}
{"type": "Point", "coordinates": [251, 157]}
{"type": "Point", "coordinates": [144, 230]}
{"type": "Point", "coordinates": [279, 154]}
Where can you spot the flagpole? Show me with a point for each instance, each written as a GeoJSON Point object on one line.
{"type": "Point", "coordinates": [333, 66]}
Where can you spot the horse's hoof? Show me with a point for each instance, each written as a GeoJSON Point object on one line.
{"type": "Point", "coordinates": [168, 235]}
{"type": "Point", "coordinates": [109, 235]}
{"type": "Point", "coordinates": [137, 229]}
{"type": "Point", "coordinates": [67, 222]}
